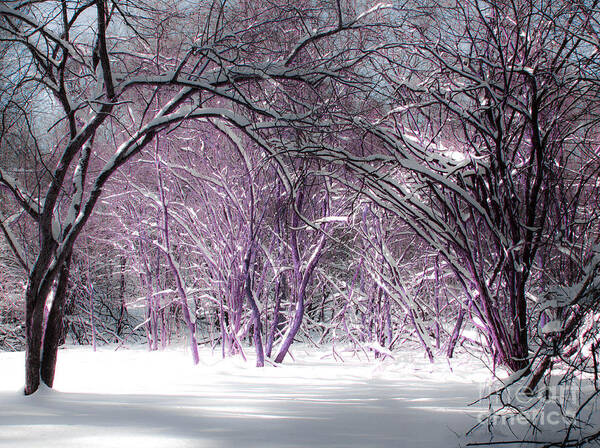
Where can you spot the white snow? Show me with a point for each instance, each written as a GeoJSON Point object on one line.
{"type": "Point", "coordinates": [134, 398]}
{"type": "Point", "coordinates": [327, 219]}
{"type": "Point", "coordinates": [554, 326]}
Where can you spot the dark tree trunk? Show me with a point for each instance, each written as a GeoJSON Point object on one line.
{"type": "Point", "coordinates": [455, 333]}
{"type": "Point", "coordinates": [544, 366]}
{"type": "Point", "coordinates": [258, 346]}
{"type": "Point", "coordinates": [40, 365]}
{"type": "Point", "coordinates": [54, 327]}
{"type": "Point", "coordinates": [33, 331]}
{"type": "Point", "coordinates": [522, 350]}
{"type": "Point", "coordinates": [279, 296]}
{"type": "Point", "coordinates": [122, 306]}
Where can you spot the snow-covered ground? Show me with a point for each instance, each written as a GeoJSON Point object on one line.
{"type": "Point", "coordinates": [133, 398]}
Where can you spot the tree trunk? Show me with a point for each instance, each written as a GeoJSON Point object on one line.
{"type": "Point", "coordinates": [54, 327]}
{"type": "Point", "coordinates": [521, 337]}
{"type": "Point", "coordinates": [33, 331]}
{"type": "Point", "coordinates": [279, 296]}
{"type": "Point", "coordinates": [256, 323]}
{"type": "Point", "coordinates": [293, 329]}
{"type": "Point", "coordinates": [260, 354]}
{"type": "Point", "coordinates": [41, 366]}
{"type": "Point", "coordinates": [544, 366]}
{"type": "Point", "coordinates": [455, 333]}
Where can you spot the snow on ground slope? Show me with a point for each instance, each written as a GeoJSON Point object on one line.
{"type": "Point", "coordinates": [133, 398]}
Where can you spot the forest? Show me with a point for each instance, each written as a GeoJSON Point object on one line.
{"type": "Point", "coordinates": [342, 175]}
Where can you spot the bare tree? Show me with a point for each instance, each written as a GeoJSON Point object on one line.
{"type": "Point", "coordinates": [492, 114]}
{"type": "Point", "coordinates": [86, 61]}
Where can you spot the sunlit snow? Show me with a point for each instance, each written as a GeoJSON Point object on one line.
{"type": "Point", "coordinates": [133, 398]}
{"type": "Point", "coordinates": [326, 397]}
